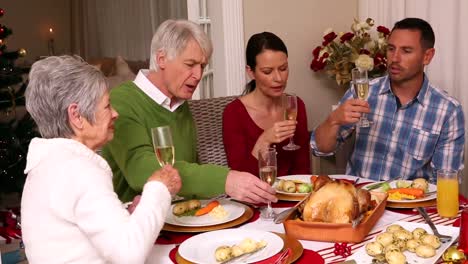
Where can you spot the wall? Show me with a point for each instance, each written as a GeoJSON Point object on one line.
{"type": "Point", "coordinates": [30, 21]}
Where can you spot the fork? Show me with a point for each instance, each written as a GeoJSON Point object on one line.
{"type": "Point", "coordinates": [443, 238]}
{"type": "Point", "coordinates": [284, 256]}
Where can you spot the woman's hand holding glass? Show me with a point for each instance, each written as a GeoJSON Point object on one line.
{"type": "Point", "coordinates": [280, 131]}
{"type": "Point", "coordinates": [169, 176]}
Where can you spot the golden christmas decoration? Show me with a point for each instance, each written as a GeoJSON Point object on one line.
{"type": "Point", "coordinates": [22, 52]}
{"type": "Point", "coordinates": [453, 256]}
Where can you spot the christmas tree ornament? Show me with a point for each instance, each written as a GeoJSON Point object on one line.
{"type": "Point", "coordinates": [453, 255]}
{"type": "Point", "coordinates": [2, 12]}
{"type": "Point", "coordinates": [22, 52]}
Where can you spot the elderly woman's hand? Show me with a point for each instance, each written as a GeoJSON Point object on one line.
{"type": "Point", "coordinates": [170, 177]}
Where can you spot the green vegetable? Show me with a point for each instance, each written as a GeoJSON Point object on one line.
{"type": "Point", "coordinates": [189, 213]}
{"type": "Point", "coordinates": [403, 184]}
{"type": "Point", "coordinates": [304, 188]}
{"type": "Point", "coordinates": [385, 186]}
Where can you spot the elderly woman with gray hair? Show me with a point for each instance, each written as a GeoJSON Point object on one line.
{"type": "Point", "coordinates": [70, 213]}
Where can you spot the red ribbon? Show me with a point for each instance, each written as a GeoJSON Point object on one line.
{"type": "Point", "coordinates": [9, 230]}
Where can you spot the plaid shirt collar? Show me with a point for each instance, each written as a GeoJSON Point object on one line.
{"type": "Point", "coordinates": [385, 88]}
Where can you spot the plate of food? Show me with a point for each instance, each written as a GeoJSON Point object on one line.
{"type": "Point", "coordinates": [406, 191]}
{"type": "Point", "coordinates": [196, 213]}
{"type": "Point", "coordinates": [222, 245]}
{"type": "Point", "coordinates": [294, 185]}
{"type": "Point", "coordinates": [420, 246]}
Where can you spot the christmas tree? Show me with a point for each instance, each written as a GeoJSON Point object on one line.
{"type": "Point", "coordinates": [16, 127]}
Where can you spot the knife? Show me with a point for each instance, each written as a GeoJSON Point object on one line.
{"type": "Point", "coordinates": [243, 256]}
{"type": "Point", "coordinates": [351, 261]}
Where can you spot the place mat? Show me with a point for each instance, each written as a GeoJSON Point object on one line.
{"type": "Point", "coordinates": [289, 242]}
{"type": "Point", "coordinates": [248, 213]}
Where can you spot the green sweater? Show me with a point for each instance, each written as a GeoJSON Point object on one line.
{"type": "Point", "coordinates": [131, 155]}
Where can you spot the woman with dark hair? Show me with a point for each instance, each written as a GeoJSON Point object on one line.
{"type": "Point", "coordinates": [255, 120]}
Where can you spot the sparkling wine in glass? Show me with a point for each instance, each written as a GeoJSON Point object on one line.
{"type": "Point", "coordinates": [163, 146]}
{"type": "Point", "coordinates": [267, 168]}
{"type": "Point", "coordinates": [361, 90]}
{"type": "Point", "coordinates": [290, 113]}
{"type": "Point", "coordinates": [164, 149]}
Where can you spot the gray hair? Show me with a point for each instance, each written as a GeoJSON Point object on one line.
{"type": "Point", "coordinates": [54, 84]}
{"type": "Point", "coordinates": [172, 37]}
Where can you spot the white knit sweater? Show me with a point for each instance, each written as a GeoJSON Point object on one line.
{"type": "Point", "coordinates": [70, 213]}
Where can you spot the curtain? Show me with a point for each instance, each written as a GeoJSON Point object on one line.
{"type": "Point", "coordinates": [449, 68]}
{"type": "Point", "coordinates": [107, 28]}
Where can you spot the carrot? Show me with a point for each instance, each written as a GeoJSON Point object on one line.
{"type": "Point", "coordinates": [313, 178]}
{"type": "Point", "coordinates": [418, 193]}
{"type": "Point", "coordinates": [206, 209]}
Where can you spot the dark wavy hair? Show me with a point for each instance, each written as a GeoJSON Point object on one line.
{"type": "Point", "coordinates": [256, 45]}
{"type": "Point", "coordinates": [412, 23]}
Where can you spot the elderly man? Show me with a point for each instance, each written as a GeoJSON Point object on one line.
{"type": "Point", "coordinates": [416, 127]}
{"type": "Point", "coordinates": [157, 97]}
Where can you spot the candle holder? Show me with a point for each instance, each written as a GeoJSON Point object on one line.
{"type": "Point", "coordinates": [50, 47]}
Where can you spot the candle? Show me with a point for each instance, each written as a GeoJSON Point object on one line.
{"type": "Point", "coordinates": [50, 42]}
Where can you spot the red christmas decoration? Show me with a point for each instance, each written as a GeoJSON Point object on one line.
{"type": "Point", "coordinates": [2, 12]}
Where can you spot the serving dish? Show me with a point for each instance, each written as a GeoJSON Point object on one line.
{"type": "Point", "coordinates": [331, 232]}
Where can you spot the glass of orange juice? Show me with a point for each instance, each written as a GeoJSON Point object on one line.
{"type": "Point", "coordinates": [447, 193]}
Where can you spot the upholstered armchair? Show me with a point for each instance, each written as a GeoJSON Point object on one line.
{"type": "Point", "coordinates": [208, 116]}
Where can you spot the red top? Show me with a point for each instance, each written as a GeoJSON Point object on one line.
{"type": "Point", "coordinates": [240, 133]}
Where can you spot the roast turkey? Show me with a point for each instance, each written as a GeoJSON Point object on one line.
{"type": "Point", "coordinates": [336, 202]}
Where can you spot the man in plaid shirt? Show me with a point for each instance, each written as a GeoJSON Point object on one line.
{"type": "Point", "coordinates": [416, 127]}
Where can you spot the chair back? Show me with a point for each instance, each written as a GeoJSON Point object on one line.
{"type": "Point", "coordinates": [208, 116]}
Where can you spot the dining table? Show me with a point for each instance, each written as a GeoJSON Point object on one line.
{"type": "Point", "coordinates": [167, 244]}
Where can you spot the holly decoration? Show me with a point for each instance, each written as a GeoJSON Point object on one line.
{"type": "Point", "coordinates": [342, 249]}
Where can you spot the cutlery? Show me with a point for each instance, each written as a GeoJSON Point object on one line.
{"type": "Point", "coordinates": [284, 256]}
{"type": "Point", "coordinates": [357, 221]}
{"type": "Point", "coordinates": [279, 218]}
{"type": "Point", "coordinates": [179, 199]}
{"type": "Point", "coordinates": [242, 257]}
{"type": "Point", "coordinates": [377, 185]}
{"type": "Point", "coordinates": [443, 238]}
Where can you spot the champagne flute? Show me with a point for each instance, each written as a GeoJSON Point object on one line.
{"type": "Point", "coordinates": [268, 170]}
{"type": "Point", "coordinates": [290, 113]}
{"type": "Point", "coordinates": [163, 146]}
{"type": "Point", "coordinates": [361, 89]}
{"type": "Point", "coordinates": [164, 149]}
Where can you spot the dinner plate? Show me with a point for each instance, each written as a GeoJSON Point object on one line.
{"type": "Point", "coordinates": [234, 210]}
{"type": "Point", "coordinates": [201, 248]}
{"type": "Point", "coordinates": [431, 188]}
{"type": "Point", "coordinates": [363, 258]}
{"type": "Point", "coordinates": [300, 177]}
{"type": "Point", "coordinates": [289, 242]}
{"type": "Point", "coordinates": [344, 177]}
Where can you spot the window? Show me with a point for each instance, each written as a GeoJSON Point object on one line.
{"type": "Point", "coordinates": [222, 20]}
